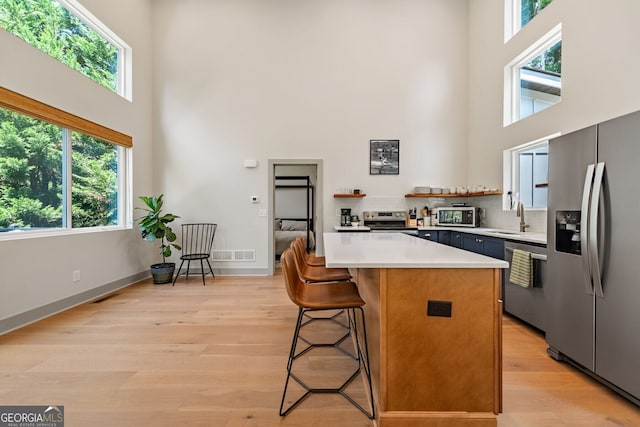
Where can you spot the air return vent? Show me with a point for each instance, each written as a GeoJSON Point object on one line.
{"type": "Point", "coordinates": [238, 255]}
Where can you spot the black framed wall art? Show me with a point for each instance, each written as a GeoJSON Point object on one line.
{"type": "Point", "coordinates": [384, 157]}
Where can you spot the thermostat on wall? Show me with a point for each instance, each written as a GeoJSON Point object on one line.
{"type": "Point", "coordinates": [251, 163]}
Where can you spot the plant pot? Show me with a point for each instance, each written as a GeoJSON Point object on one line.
{"type": "Point", "coordinates": [163, 272]}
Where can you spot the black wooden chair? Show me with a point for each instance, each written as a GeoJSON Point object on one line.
{"type": "Point", "coordinates": [197, 241]}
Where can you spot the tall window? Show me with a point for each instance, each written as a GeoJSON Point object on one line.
{"type": "Point", "coordinates": [69, 33]}
{"type": "Point", "coordinates": [526, 174]}
{"type": "Point", "coordinates": [30, 173]}
{"type": "Point", "coordinates": [94, 188]}
{"type": "Point", "coordinates": [541, 81]}
{"type": "Point", "coordinates": [520, 12]}
{"type": "Point", "coordinates": [533, 176]}
{"type": "Point", "coordinates": [529, 9]}
{"type": "Point", "coordinates": [57, 170]}
{"type": "Point", "coordinates": [533, 81]}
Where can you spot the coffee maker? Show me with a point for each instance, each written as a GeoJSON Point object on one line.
{"type": "Point", "coordinates": [345, 217]}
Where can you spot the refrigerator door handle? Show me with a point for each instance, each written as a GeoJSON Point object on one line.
{"type": "Point", "coordinates": [593, 229]}
{"type": "Point", "coordinates": [584, 229]}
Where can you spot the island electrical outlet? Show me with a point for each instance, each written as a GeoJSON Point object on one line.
{"type": "Point", "coordinates": [439, 308]}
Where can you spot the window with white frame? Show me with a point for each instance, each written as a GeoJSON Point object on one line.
{"type": "Point", "coordinates": [57, 170]}
{"type": "Point", "coordinates": [68, 32]}
{"type": "Point", "coordinates": [526, 174]}
{"type": "Point", "coordinates": [519, 13]}
{"type": "Point", "coordinates": [533, 81]}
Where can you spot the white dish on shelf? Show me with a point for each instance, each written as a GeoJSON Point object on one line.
{"type": "Point", "coordinates": [422, 190]}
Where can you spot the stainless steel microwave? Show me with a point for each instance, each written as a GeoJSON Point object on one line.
{"type": "Point", "coordinates": [465, 216]}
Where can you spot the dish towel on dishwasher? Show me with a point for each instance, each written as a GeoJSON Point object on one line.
{"type": "Point", "coordinates": [521, 268]}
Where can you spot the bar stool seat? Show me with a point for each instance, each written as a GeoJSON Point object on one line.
{"type": "Point", "coordinates": [312, 297]}
{"type": "Point", "coordinates": [313, 273]}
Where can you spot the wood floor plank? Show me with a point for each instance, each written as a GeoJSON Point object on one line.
{"type": "Point", "coordinates": [215, 355]}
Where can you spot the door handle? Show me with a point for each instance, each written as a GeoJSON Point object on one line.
{"type": "Point", "coordinates": [593, 229]}
{"type": "Point", "coordinates": [584, 228]}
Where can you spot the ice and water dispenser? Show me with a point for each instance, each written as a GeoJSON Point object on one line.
{"type": "Point", "coordinates": [568, 232]}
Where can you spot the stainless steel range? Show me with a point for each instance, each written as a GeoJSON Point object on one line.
{"type": "Point", "coordinates": [385, 221]}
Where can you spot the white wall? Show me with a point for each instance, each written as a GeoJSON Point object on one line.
{"type": "Point", "coordinates": [38, 272]}
{"type": "Point", "coordinates": [599, 73]}
{"type": "Point", "coordinates": [298, 79]}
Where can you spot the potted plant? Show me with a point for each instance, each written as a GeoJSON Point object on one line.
{"type": "Point", "coordinates": [154, 225]}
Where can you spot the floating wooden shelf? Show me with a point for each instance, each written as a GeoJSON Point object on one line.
{"type": "Point", "coordinates": [348, 196]}
{"type": "Point", "coordinates": [482, 193]}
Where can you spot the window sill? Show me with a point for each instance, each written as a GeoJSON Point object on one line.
{"type": "Point", "coordinates": [25, 234]}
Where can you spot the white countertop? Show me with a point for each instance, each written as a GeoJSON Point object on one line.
{"type": "Point", "coordinates": [351, 228]}
{"type": "Point", "coordinates": [398, 250]}
{"type": "Point", "coordinates": [527, 236]}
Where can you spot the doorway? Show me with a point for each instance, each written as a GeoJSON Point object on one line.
{"type": "Point", "coordinates": [295, 201]}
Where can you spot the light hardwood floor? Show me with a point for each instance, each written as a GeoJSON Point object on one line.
{"type": "Point", "coordinates": [215, 355]}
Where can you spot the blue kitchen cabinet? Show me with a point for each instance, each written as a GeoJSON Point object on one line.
{"type": "Point", "coordinates": [456, 239]}
{"type": "Point", "coordinates": [472, 243]}
{"type": "Point", "coordinates": [489, 246]}
{"type": "Point", "coordinates": [493, 248]}
{"type": "Point", "coordinates": [484, 245]}
{"type": "Point", "coordinates": [440, 236]}
{"type": "Point", "coordinates": [444, 237]}
{"type": "Point", "coordinates": [431, 235]}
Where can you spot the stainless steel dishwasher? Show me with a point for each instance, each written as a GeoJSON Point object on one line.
{"type": "Point", "coordinates": [527, 304]}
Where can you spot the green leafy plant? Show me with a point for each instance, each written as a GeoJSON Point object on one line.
{"type": "Point", "coordinates": [154, 225]}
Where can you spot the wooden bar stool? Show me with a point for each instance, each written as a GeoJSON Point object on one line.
{"type": "Point", "coordinates": [318, 297]}
{"type": "Point", "coordinates": [316, 273]}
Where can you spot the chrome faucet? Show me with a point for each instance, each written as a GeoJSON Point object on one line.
{"type": "Point", "coordinates": [520, 214]}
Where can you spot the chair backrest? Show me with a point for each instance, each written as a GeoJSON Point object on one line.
{"type": "Point", "coordinates": [291, 278]}
{"type": "Point", "coordinates": [300, 253]}
{"type": "Point", "coordinates": [302, 241]}
{"type": "Point", "coordinates": [298, 245]}
{"type": "Point", "coordinates": [197, 239]}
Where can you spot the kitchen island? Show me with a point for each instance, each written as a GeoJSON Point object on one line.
{"type": "Point", "coordinates": [433, 315]}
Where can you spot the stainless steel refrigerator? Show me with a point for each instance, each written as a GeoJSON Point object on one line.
{"type": "Point", "coordinates": [593, 290]}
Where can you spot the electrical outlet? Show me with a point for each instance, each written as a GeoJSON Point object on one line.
{"type": "Point", "coordinates": [255, 199]}
{"type": "Point", "coordinates": [76, 275]}
{"type": "Point", "coordinates": [439, 308]}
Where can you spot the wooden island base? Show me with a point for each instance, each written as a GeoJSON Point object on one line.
{"type": "Point", "coordinates": [432, 369]}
